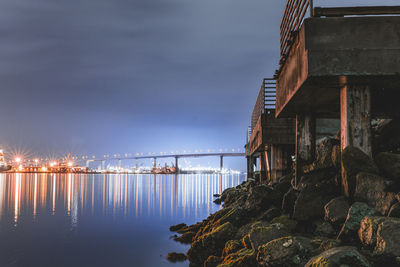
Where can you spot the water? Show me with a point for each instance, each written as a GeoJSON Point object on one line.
{"type": "Point", "coordinates": [100, 220]}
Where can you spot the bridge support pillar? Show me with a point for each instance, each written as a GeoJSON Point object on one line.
{"type": "Point", "coordinates": [176, 165]}
{"type": "Point", "coordinates": [103, 165]}
{"type": "Point", "coordinates": [87, 163]}
{"type": "Point", "coordinates": [305, 142]}
{"type": "Point", "coordinates": [136, 163]}
{"type": "Point", "coordinates": [155, 163]}
{"type": "Point", "coordinates": [355, 123]}
{"type": "Point", "coordinates": [120, 164]}
{"type": "Point", "coordinates": [221, 163]}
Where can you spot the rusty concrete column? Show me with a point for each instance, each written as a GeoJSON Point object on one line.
{"type": "Point", "coordinates": [267, 159]}
{"type": "Point", "coordinates": [263, 167]}
{"type": "Point", "coordinates": [305, 142]}
{"type": "Point", "coordinates": [355, 117]}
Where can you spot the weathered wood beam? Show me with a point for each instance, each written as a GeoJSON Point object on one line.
{"type": "Point", "coordinates": [355, 117]}
{"type": "Point", "coordinates": [355, 11]}
{"type": "Point", "coordinates": [279, 161]}
{"type": "Point", "coordinates": [305, 142]}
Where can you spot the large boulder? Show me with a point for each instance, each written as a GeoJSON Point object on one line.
{"type": "Point", "coordinates": [270, 214]}
{"type": "Point", "coordinates": [261, 197]}
{"type": "Point", "coordinates": [368, 228]}
{"type": "Point", "coordinates": [325, 229]}
{"type": "Point", "coordinates": [312, 199]}
{"type": "Point", "coordinates": [285, 251]}
{"type": "Point", "coordinates": [323, 155]}
{"type": "Point", "coordinates": [370, 188]}
{"type": "Point", "coordinates": [389, 164]}
{"type": "Point", "coordinates": [354, 161]}
{"type": "Point", "coordinates": [210, 243]}
{"type": "Point", "coordinates": [261, 235]}
{"type": "Point", "coordinates": [336, 210]}
{"type": "Point", "coordinates": [395, 211]}
{"type": "Point", "coordinates": [386, 135]}
{"type": "Point", "coordinates": [356, 213]}
{"type": "Point", "coordinates": [339, 256]}
{"type": "Point", "coordinates": [388, 238]}
{"type": "Point", "coordinates": [245, 229]}
{"type": "Point", "coordinates": [231, 247]}
{"type": "Point", "coordinates": [236, 216]}
{"type": "Point", "coordinates": [229, 196]}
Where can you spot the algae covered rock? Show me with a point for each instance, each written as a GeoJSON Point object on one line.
{"type": "Point", "coordinates": [368, 229]}
{"type": "Point", "coordinates": [286, 222]}
{"type": "Point", "coordinates": [339, 256]}
{"type": "Point", "coordinates": [289, 200]}
{"type": "Point", "coordinates": [175, 257]}
{"type": "Point", "coordinates": [323, 155]}
{"type": "Point", "coordinates": [213, 261]}
{"type": "Point", "coordinates": [270, 214]}
{"type": "Point", "coordinates": [231, 247]}
{"type": "Point", "coordinates": [354, 217]}
{"type": "Point", "coordinates": [261, 235]}
{"type": "Point", "coordinates": [261, 197]}
{"type": "Point", "coordinates": [210, 243]}
{"type": "Point", "coordinates": [325, 229]}
{"type": "Point", "coordinates": [175, 228]}
{"type": "Point", "coordinates": [241, 258]}
{"type": "Point", "coordinates": [336, 210]}
{"type": "Point", "coordinates": [285, 251]}
{"type": "Point", "coordinates": [354, 161]}
{"type": "Point", "coordinates": [388, 238]}
{"type": "Point", "coordinates": [186, 238]}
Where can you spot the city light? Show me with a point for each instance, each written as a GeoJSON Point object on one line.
{"type": "Point", "coordinates": [18, 159]}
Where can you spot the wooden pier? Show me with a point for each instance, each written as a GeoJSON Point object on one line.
{"type": "Point", "coordinates": [339, 63]}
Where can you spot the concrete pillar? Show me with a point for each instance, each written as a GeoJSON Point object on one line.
{"type": "Point", "coordinates": [103, 164]}
{"type": "Point", "coordinates": [176, 165]}
{"type": "Point", "coordinates": [120, 164]}
{"type": "Point", "coordinates": [355, 117]}
{"type": "Point", "coordinates": [87, 163]}
{"type": "Point", "coordinates": [305, 142]}
{"type": "Point", "coordinates": [155, 163]}
{"type": "Point", "coordinates": [221, 162]}
{"type": "Point", "coordinates": [263, 167]}
{"type": "Point", "coordinates": [136, 163]}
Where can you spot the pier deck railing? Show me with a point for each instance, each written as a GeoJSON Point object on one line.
{"type": "Point", "coordinates": [296, 11]}
{"type": "Point", "coordinates": [265, 101]}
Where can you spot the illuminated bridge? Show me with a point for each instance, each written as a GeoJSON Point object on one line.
{"type": "Point", "coordinates": [221, 156]}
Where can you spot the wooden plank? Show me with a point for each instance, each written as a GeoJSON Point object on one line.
{"type": "Point", "coordinates": [355, 11]}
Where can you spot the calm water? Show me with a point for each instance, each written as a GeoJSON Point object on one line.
{"type": "Point", "coordinates": [100, 220]}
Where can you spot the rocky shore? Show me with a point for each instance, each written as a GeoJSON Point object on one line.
{"type": "Point", "coordinates": [326, 219]}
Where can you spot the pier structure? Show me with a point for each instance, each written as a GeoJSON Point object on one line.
{"type": "Point", "coordinates": [341, 63]}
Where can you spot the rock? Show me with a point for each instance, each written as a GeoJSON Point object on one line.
{"type": "Point", "coordinates": [356, 213]}
{"type": "Point", "coordinates": [289, 199]}
{"type": "Point", "coordinates": [285, 221]}
{"type": "Point", "coordinates": [312, 200]}
{"type": "Point", "coordinates": [394, 211]}
{"type": "Point", "coordinates": [229, 196]}
{"type": "Point", "coordinates": [231, 247]}
{"type": "Point", "coordinates": [245, 229]}
{"type": "Point", "coordinates": [236, 216]}
{"type": "Point", "coordinates": [323, 155]}
{"type": "Point", "coordinates": [389, 164]}
{"type": "Point", "coordinates": [368, 228]}
{"type": "Point", "coordinates": [285, 251]}
{"type": "Point", "coordinates": [325, 244]}
{"type": "Point", "coordinates": [213, 261]}
{"type": "Point", "coordinates": [186, 238]}
{"type": "Point", "coordinates": [175, 257]}
{"type": "Point", "coordinates": [246, 242]}
{"type": "Point", "coordinates": [354, 161]}
{"type": "Point", "coordinates": [262, 197]}
{"type": "Point", "coordinates": [210, 243]}
{"type": "Point", "coordinates": [370, 188]}
{"type": "Point", "coordinates": [325, 229]}
{"type": "Point", "coordinates": [336, 156]}
{"type": "Point", "coordinates": [270, 214]}
{"type": "Point", "coordinates": [336, 210]}
{"type": "Point", "coordinates": [175, 228]}
{"type": "Point", "coordinates": [261, 235]}
{"type": "Point", "coordinates": [387, 135]}
{"type": "Point", "coordinates": [339, 256]}
{"type": "Point", "coordinates": [284, 183]}
{"type": "Point", "coordinates": [388, 238]}
{"type": "Point", "coordinates": [217, 201]}
{"type": "Point", "coordinates": [216, 195]}
{"type": "Point", "coordinates": [241, 258]}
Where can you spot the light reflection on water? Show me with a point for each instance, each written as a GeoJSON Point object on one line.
{"type": "Point", "coordinates": [105, 215]}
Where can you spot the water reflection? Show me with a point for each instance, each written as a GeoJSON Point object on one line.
{"type": "Point", "coordinates": [75, 195]}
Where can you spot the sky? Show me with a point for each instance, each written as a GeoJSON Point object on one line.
{"type": "Point", "coordinates": [101, 77]}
